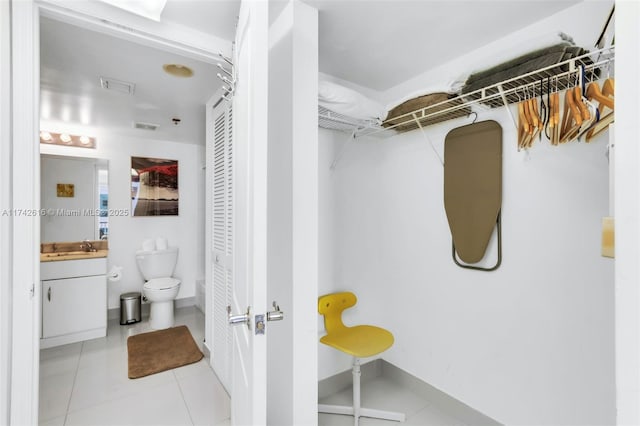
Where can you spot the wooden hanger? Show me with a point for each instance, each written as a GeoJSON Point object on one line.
{"type": "Point", "coordinates": [556, 116]}
{"type": "Point", "coordinates": [529, 124]}
{"type": "Point", "coordinates": [533, 120]}
{"type": "Point", "coordinates": [552, 121]}
{"type": "Point", "coordinates": [594, 93]}
{"type": "Point", "coordinates": [587, 125]}
{"type": "Point", "coordinates": [572, 118]}
{"type": "Point", "coordinates": [600, 126]}
{"type": "Point", "coordinates": [584, 111]}
{"type": "Point", "coordinates": [551, 124]}
{"type": "Point", "coordinates": [608, 87]}
{"type": "Point", "coordinates": [537, 121]}
{"type": "Point", "coordinates": [523, 125]}
{"type": "Point", "coordinates": [606, 100]}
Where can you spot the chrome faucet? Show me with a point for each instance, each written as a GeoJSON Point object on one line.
{"type": "Point", "coordinates": [87, 246]}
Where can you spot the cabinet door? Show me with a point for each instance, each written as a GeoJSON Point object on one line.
{"type": "Point", "coordinates": [73, 305]}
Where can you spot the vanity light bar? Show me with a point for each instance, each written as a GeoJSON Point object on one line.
{"type": "Point", "coordinates": [67, 139]}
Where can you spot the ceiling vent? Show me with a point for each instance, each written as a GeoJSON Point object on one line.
{"type": "Point", "coordinates": [117, 85]}
{"type": "Point", "coordinates": [145, 126]}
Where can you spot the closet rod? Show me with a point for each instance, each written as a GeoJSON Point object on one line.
{"type": "Point", "coordinates": [556, 77]}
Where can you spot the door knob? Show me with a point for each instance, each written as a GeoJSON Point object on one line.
{"type": "Point", "coordinates": [276, 314]}
{"type": "Point", "coordinates": [240, 319]}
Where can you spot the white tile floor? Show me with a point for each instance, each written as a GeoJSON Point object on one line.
{"type": "Point", "coordinates": [86, 383]}
{"type": "Point", "coordinates": [384, 394]}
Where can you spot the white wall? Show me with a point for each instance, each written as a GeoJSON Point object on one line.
{"type": "Point", "coordinates": [531, 343]}
{"type": "Point", "coordinates": [5, 221]}
{"type": "Point", "coordinates": [293, 215]}
{"type": "Point", "coordinates": [126, 233]}
{"type": "Point", "coordinates": [627, 208]}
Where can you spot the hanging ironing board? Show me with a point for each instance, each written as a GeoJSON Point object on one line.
{"type": "Point", "coordinates": [473, 190]}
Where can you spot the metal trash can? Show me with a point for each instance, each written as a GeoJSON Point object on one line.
{"type": "Point", "coordinates": [130, 308]}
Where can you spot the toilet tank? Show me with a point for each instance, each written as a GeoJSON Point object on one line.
{"type": "Point", "coordinates": [157, 263]}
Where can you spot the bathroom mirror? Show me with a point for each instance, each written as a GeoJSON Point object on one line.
{"type": "Point", "coordinates": [73, 198]}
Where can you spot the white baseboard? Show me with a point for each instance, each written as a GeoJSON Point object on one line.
{"type": "Point", "coordinates": [340, 381]}
{"type": "Point", "coordinates": [50, 342]}
{"type": "Point", "coordinates": [380, 367]}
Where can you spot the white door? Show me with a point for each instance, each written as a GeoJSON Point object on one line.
{"type": "Point", "coordinates": [250, 104]}
{"type": "Point", "coordinates": [20, 174]}
{"type": "Point", "coordinates": [219, 239]}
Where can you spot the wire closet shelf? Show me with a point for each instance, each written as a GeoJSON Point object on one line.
{"type": "Point", "coordinates": [557, 77]}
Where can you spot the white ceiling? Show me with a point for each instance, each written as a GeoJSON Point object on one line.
{"type": "Point", "coordinates": [373, 43]}
{"type": "Point", "coordinates": [217, 17]}
{"type": "Point", "coordinates": [72, 61]}
{"type": "Point", "coordinates": [381, 43]}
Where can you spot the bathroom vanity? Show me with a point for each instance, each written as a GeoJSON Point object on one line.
{"type": "Point", "coordinates": [74, 296]}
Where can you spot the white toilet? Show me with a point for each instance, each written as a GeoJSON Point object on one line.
{"type": "Point", "coordinates": [160, 289]}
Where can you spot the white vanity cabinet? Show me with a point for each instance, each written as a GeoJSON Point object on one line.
{"type": "Point", "coordinates": [74, 301]}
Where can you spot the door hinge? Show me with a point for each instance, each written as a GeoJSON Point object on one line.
{"type": "Point", "coordinates": [32, 291]}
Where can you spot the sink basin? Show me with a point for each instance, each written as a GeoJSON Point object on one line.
{"type": "Point", "coordinates": [72, 255]}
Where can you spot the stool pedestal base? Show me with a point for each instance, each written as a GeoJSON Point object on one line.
{"type": "Point", "coordinates": [357, 411]}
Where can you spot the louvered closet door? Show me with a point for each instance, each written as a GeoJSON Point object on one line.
{"type": "Point", "coordinates": [222, 240]}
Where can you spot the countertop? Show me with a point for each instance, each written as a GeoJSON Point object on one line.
{"type": "Point", "coordinates": [72, 255]}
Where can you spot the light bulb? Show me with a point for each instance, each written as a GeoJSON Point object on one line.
{"type": "Point", "coordinates": [65, 138]}
{"type": "Point", "coordinates": [46, 136]}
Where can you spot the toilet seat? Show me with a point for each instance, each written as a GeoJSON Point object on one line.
{"type": "Point", "coordinates": [165, 283]}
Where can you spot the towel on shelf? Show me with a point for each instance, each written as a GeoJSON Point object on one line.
{"type": "Point", "coordinates": [523, 64]}
{"type": "Point", "coordinates": [349, 102]}
{"type": "Point", "coordinates": [444, 90]}
{"type": "Point", "coordinates": [438, 107]}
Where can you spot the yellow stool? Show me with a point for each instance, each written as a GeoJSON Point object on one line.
{"type": "Point", "coordinates": [360, 341]}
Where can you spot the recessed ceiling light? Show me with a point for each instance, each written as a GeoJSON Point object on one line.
{"type": "Point", "coordinates": [178, 70]}
{"type": "Point", "coordinates": [65, 138]}
{"type": "Point", "coordinates": [85, 140]}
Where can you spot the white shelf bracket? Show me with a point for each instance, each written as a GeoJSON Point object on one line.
{"type": "Point", "coordinates": [342, 150]}
{"type": "Point", "coordinates": [429, 140]}
{"type": "Point", "coordinates": [506, 104]}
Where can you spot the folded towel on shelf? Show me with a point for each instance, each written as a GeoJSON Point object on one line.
{"type": "Point", "coordinates": [438, 107]}
{"type": "Point", "coordinates": [506, 55]}
{"type": "Point", "coordinates": [523, 64]}
{"type": "Point", "coordinates": [444, 89]}
{"type": "Point", "coordinates": [349, 102]}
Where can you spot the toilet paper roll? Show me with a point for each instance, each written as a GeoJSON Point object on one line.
{"type": "Point", "coordinates": [148, 244]}
{"type": "Point", "coordinates": [161, 243]}
{"type": "Point", "coordinates": [115, 274]}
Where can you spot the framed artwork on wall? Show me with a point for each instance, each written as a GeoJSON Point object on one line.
{"type": "Point", "coordinates": [154, 187]}
{"type": "Point", "coordinates": [65, 189]}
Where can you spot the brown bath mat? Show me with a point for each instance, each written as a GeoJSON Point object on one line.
{"type": "Point", "coordinates": [161, 350]}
